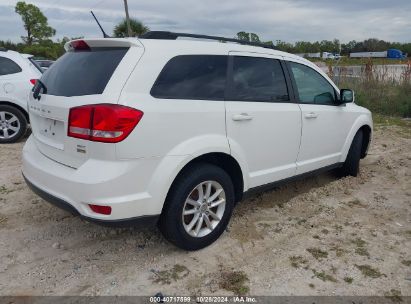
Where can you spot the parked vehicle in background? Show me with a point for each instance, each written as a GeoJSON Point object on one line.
{"type": "Point", "coordinates": [327, 55]}
{"type": "Point", "coordinates": [175, 132]}
{"type": "Point", "coordinates": [18, 74]}
{"type": "Point", "coordinates": [391, 54]}
{"type": "Point", "coordinates": [44, 64]}
{"type": "Point", "coordinates": [309, 55]}
{"type": "Point", "coordinates": [323, 55]}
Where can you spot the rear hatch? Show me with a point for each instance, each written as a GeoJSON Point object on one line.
{"type": "Point", "coordinates": [92, 71]}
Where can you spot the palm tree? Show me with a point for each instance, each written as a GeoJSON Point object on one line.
{"type": "Point", "coordinates": [137, 28]}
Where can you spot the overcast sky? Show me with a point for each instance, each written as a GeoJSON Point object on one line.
{"type": "Point", "coordinates": [290, 20]}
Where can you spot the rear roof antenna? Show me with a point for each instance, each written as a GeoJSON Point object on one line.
{"type": "Point", "coordinates": [99, 25]}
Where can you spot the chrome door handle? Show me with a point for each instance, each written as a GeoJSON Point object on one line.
{"type": "Point", "coordinates": [241, 117]}
{"type": "Point", "coordinates": [311, 115]}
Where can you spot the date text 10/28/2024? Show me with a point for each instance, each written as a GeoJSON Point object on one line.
{"type": "Point", "coordinates": [202, 299]}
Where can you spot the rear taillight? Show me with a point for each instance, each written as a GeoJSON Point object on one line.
{"type": "Point", "coordinates": [33, 81]}
{"type": "Point", "coordinates": [106, 210]}
{"type": "Point", "coordinates": [102, 122]}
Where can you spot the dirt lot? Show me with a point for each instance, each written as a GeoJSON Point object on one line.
{"type": "Point", "coordinates": [319, 236]}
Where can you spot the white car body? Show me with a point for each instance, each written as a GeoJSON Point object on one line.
{"type": "Point", "coordinates": [269, 141]}
{"type": "Point", "coordinates": [15, 88]}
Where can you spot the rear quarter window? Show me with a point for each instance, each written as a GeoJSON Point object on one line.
{"type": "Point", "coordinates": [82, 72]}
{"type": "Point", "coordinates": [8, 66]}
{"type": "Point", "coordinates": [200, 77]}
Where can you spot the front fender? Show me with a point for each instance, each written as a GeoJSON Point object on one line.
{"type": "Point", "coordinates": [362, 120]}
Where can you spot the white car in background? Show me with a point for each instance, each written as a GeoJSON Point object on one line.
{"type": "Point", "coordinates": [18, 74]}
{"type": "Point", "coordinates": [45, 64]}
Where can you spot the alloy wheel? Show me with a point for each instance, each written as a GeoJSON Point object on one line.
{"type": "Point", "coordinates": [9, 125]}
{"type": "Point", "coordinates": [204, 208]}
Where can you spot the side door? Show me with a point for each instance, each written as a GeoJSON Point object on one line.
{"type": "Point", "coordinates": [12, 87]}
{"type": "Point", "coordinates": [325, 122]}
{"type": "Point", "coordinates": [263, 121]}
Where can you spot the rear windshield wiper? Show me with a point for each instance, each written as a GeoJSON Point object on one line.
{"type": "Point", "coordinates": [40, 86]}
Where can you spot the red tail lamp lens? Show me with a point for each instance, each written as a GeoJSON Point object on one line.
{"type": "Point", "coordinates": [108, 123]}
{"type": "Point", "coordinates": [106, 210]}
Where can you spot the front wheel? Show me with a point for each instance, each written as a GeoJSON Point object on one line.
{"type": "Point", "coordinates": [198, 207]}
{"type": "Point", "coordinates": [352, 163]}
{"type": "Point", "coordinates": [13, 124]}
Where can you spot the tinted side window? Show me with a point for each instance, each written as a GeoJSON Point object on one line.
{"type": "Point", "coordinates": [8, 66]}
{"type": "Point", "coordinates": [258, 79]}
{"type": "Point", "coordinates": [192, 77]}
{"type": "Point", "coordinates": [311, 86]}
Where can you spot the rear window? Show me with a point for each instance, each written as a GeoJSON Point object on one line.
{"type": "Point", "coordinates": [82, 72]}
{"type": "Point", "coordinates": [192, 77]}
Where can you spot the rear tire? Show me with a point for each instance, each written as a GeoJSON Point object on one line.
{"type": "Point", "coordinates": [352, 163]}
{"type": "Point", "coordinates": [184, 196]}
{"type": "Point", "coordinates": [13, 124]}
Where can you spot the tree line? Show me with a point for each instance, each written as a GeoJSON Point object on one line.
{"type": "Point", "coordinates": [38, 42]}
{"type": "Point", "coordinates": [332, 46]}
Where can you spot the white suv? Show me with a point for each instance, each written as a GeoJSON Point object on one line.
{"type": "Point", "coordinates": [175, 132]}
{"type": "Point", "coordinates": [18, 74]}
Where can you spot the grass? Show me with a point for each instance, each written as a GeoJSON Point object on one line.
{"type": "Point", "coordinates": [384, 120]}
{"type": "Point", "coordinates": [394, 295]}
{"type": "Point", "coordinates": [317, 253]}
{"type": "Point", "coordinates": [4, 190]}
{"type": "Point", "coordinates": [360, 247]}
{"type": "Point", "coordinates": [368, 271]}
{"type": "Point", "coordinates": [324, 276]}
{"type": "Point", "coordinates": [359, 61]}
{"type": "Point", "coordinates": [406, 262]}
{"type": "Point", "coordinates": [362, 251]}
{"type": "Point", "coordinates": [379, 92]}
{"type": "Point", "coordinates": [339, 252]}
{"type": "Point", "coordinates": [174, 274]}
{"type": "Point", "coordinates": [348, 280]}
{"type": "Point", "coordinates": [3, 219]}
{"type": "Point", "coordinates": [298, 261]}
{"type": "Point", "coordinates": [234, 281]}
{"type": "Point", "coordinates": [355, 203]}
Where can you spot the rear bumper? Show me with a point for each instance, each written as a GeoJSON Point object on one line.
{"type": "Point", "coordinates": [122, 185]}
{"type": "Point", "coordinates": [140, 221]}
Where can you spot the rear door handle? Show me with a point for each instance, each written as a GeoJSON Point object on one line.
{"type": "Point", "coordinates": [311, 115]}
{"type": "Point", "coordinates": [241, 117]}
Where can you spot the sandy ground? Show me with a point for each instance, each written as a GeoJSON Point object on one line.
{"type": "Point", "coordinates": [318, 236]}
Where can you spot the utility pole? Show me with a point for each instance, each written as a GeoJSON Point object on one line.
{"type": "Point", "coordinates": [130, 34]}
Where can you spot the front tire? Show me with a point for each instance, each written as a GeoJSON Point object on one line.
{"type": "Point", "coordinates": [352, 163]}
{"type": "Point", "coordinates": [13, 124]}
{"type": "Point", "coordinates": [198, 207]}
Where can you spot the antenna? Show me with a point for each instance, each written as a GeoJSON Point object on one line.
{"type": "Point", "coordinates": [101, 28]}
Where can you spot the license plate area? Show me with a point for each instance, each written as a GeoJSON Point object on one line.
{"type": "Point", "coordinates": [51, 132]}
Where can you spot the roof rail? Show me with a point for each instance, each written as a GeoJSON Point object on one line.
{"type": "Point", "coordinates": [173, 36]}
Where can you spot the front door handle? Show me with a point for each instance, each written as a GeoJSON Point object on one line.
{"type": "Point", "coordinates": [311, 115]}
{"type": "Point", "coordinates": [241, 117]}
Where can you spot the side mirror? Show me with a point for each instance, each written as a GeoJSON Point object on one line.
{"type": "Point", "coordinates": [347, 96]}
